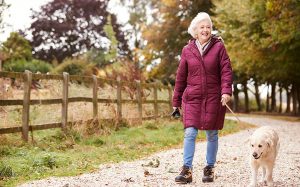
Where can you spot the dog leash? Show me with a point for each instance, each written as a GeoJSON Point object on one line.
{"type": "Point", "coordinates": [233, 113]}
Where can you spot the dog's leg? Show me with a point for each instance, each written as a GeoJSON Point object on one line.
{"type": "Point", "coordinates": [264, 176]}
{"type": "Point", "coordinates": [254, 175]}
{"type": "Point", "coordinates": [269, 173]}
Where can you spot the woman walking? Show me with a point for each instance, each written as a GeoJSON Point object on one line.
{"type": "Point", "coordinates": [202, 87]}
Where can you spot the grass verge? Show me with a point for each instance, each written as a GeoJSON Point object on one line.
{"type": "Point", "coordinates": [55, 154]}
{"type": "Point", "coordinates": [276, 116]}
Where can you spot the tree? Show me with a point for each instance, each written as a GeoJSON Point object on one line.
{"type": "Point", "coordinates": [240, 27]}
{"type": "Point", "coordinates": [17, 47]}
{"type": "Point", "coordinates": [105, 56]}
{"type": "Point", "coordinates": [66, 28]}
{"type": "Point", "coordinates": [257, 41]}
{"type": "Point", "coordinates": [167, 34]}
{"type": "Point", "coordinates": [137, 19]}
{"type": "Point", "coordinates": [18, 57]}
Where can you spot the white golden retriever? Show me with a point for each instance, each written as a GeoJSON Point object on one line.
{"type": "Point", "coordinates": [264, 144]}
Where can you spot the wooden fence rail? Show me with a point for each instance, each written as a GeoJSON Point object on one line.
{"type": "Point", "coordinates": [28, 77]}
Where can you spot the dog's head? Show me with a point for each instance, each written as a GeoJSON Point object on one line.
{"type": "Point", "coordinates": [259, 146]}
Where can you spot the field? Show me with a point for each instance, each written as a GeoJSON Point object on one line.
{"type": "Point", "coordinates": [52, 89]}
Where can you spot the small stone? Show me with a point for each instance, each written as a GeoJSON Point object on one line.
{"type": "Point", "coordinates": [146, 173]}
{"type": "Point", "coordinates": [129, 180]}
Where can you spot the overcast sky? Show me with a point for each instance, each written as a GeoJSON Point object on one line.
{"type": "Point", "coordinates": [18, 14]}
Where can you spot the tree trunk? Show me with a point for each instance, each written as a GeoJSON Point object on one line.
{"type": "Point", "coordinates": [267, 100]}
{"type": "Point", "coordinates": [280, 99]}
{"type": "Point", "coordinates": [273, 97]}
{"type": "Point", "coordinates": [245, 89]}
{"type": "Point", "coordinates": [294, 92]}
{"type": "Point", "coordinates": [298, 94]}
{"type": "Point", "coordinates": [288, 100]}
{"type": "Point", "coordinates": [235, 97]}
{"type": "Point", "coordinates": [257, 97]}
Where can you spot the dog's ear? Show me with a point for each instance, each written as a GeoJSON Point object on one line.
{"type": "Point", "coordinates": [247, 141]}
{"type": "Point", "coordinates": [269, 142]}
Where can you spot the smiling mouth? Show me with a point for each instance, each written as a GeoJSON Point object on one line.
{"type": "Point", "coordinates": [259, 156]}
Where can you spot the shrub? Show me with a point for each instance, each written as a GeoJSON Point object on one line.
{"type": "Point", "coordinates": [21, 65]}
{"type": "Point", "coordinates": [75, 66]}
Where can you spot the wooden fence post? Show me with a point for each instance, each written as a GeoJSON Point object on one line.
{"type": "Point", "coordinates": [26, 105]}
{"type": "Point", "coordinates": [139, 100]}
{"type": "Point", "coordinates": [155, 101]}
{"type": "Point", "coordinates": [119, 100]}
{"type": "Point", "coordinates": [95, 97]}
{"type": "Point", "coordinates": [64, 119]}
{"type": "Point", "coordinates": [170, 96]}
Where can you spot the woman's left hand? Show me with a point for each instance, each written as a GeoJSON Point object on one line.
{"type": "Point", "coordinates": [225, 98]}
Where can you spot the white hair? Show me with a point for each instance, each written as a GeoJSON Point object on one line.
{"type": "Point", "coordinates": [200, 17]}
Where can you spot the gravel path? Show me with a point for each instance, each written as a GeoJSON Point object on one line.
{"type": "Point", "coordinates": [232, 167]}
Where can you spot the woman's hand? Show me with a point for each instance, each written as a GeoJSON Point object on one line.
{"type": "Point", "coordinates": [225, 98]}
{"type": "Point", "coordinates": [176, 112]}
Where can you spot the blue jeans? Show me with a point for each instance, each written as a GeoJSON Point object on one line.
{"type": "Point", "coordinates": [190, 135]}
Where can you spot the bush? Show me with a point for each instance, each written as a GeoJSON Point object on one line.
{"type": "Point", "coordinates": [75, 66]}
{"type": "Point", "coordinates": [21, 65]}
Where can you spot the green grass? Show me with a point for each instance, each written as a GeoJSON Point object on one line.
{"type": "Point", "coordinates": [55, 154]}
{"type": "Point", "coordinates": [276, 116]}
{"type": "Point", "coordinates": [284, 117]}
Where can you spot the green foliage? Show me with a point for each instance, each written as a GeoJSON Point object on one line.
{"type": "Point", "coordinates": [151, 126]}
{"type": "Point", "coordinates": [139, 12]}
{"type": "Point", "coordinates": [97, 141]}
{"type": "Point", "coordinates": [111, 35]}
{"type": "Point", "coordinates": [21, 65]}
{"type": "Point", "coordinates": [75, 66]}
{"type": "Point", "coordinates": [257, 40]}
{"type": "Point", "coordinates": [283, 15]}
{"type": "Point", "coordinates": [6, 151]}
{"type": "Point", "coordinates": [48, 160]}
{"type": "Point", "coordinates": [103, 57]}
{"type": "Point", "coordinates": [16, 47]}
{"type": "Point", "coordinates": [6, 171]}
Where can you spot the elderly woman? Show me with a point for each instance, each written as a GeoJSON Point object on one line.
{"type": "Point", "coordinates": [202, 88]}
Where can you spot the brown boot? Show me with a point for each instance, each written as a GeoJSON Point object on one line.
{"type": "Point", "coordinates": [208, 174]}
{"type": "Point", "coordinates": [185, 176]}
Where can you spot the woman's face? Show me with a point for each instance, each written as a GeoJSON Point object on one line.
{"type": "Point", "coordinates": [203, 31]}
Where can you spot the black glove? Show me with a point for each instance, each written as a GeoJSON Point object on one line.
{"type": "Point", "coordinates": [176, 113]}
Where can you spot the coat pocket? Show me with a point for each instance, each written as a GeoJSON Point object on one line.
{"type": "Point", "coordinates": [185, 94]}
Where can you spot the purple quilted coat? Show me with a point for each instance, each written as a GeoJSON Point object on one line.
{"type": "Point", "coordinates": [200, 82]}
